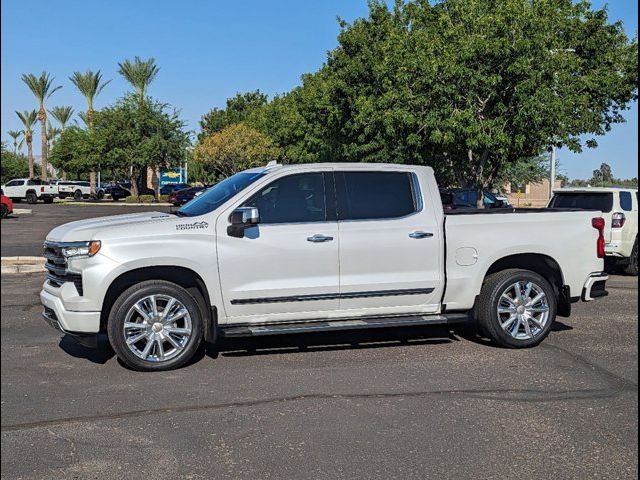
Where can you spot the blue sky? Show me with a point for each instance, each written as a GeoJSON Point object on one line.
{"type": "Point", "coordinates": [208, 51]}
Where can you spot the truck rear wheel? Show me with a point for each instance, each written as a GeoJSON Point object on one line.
{"type": "Point", "coordinates": [32, 198]}
{"type": "Point", "coordinates": [155, 325]}
{"type": "Point", "coordinates": [77, 195]}
{"type": "Point", "coordinates": [516, 308]}
{"type": "Point", "coordinates": [632, 268]}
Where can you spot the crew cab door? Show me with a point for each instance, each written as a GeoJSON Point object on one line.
{"type": "Point", "coordinates": [286, 267]}
{"type": "Point", "coordinates": [391, 245]}
{"type": "Point", "coordinates": [14, 189]}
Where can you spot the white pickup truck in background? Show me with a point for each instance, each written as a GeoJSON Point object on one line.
{"type": "Point", "coordinates": [30, 189]}
{"type": "Point", "coordinates": [619, 207]}
{"type": "Point", "coordinates": [317, 247]}
{"type": "Point", "coordinates": [77, 189]}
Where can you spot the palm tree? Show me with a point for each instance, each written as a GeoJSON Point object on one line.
{"type": "Point", "coordinates": [89, 84]}
{"type": "Point", "coordinates": [52, 135]}
{"type": "Point", "coordinates": [15, 135]}
{"type": "Point", "coordinates": [62, 115]}
{"type": "Point", "coordinates": [29, 119]}
{"type": "Point", "coordinates": [42, 87]}
{"type": "Point", "coordinates": [139, 73]}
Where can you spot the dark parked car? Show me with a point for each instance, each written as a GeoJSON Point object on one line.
{"type": "Point", "coordinates": [173, 187]}
{"type": "Point", "coordinates": [122, 190]}
{"type": "Point", "coordinates": [180, 197]}
{"type": "Point", "coordinates": [466, 198]}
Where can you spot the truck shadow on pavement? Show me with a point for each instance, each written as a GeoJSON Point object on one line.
{"type": "Point", "coordinates": [310, 342]}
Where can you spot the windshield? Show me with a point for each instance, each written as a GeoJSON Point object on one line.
{"type": "Point", "coordinates": [215, 196]}
{"type": "Point", "coordinates": [585, 201]}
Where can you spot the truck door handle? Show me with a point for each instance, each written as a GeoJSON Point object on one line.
{"type": "Point", "coordinates": [420, 234]}
{"type": "Point", "coordinates": [318, 238]}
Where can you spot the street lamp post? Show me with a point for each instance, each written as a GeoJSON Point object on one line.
{"type": "Point", "coordinates": [552, 171]}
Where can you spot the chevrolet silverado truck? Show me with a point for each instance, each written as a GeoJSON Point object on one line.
{"type": "Point", "coordinates": [30, 189]}
{"type": "Point", "coordinates": [307, 248]}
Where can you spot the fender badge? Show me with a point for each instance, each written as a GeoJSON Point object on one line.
{"type": "Point", "coordinates": [192, 226]}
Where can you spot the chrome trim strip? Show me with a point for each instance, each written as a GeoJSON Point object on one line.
{"type": "Point", "coordinates": [332, 296]}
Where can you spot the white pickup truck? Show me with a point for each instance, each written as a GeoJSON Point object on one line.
{"type": "Point", "coordinates": [305, 248]}
{"type": "Point", "coordinates": [30, 189]}
{"type": "Point", "coordinates": [619, 207]}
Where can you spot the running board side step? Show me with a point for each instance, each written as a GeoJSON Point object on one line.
{"type": "Point", "coordinates": [335, 325]}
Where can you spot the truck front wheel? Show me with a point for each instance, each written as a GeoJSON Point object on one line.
{"type": "Point", "coordinates": [516, 308]}
{"type": "Point", "coordinates": [32, 198]}
{"type": "Point", "coordinates": [155, 325]}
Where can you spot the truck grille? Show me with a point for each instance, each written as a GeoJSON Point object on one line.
{"type": "Point", "coordinates": [56, 265]}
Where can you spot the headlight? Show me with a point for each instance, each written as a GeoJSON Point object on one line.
{"type": "Point", "coordinates": [82, 249]}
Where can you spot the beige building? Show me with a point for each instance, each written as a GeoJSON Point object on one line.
{"type": "Point", "coordinates": [533, 195]}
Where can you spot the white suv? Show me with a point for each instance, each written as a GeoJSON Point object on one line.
{"type": "Point", "coordinates": [77, 189]}
{"type": "Point", "coordinates": [620, 211]}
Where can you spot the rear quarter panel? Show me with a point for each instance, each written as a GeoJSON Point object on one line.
{"type": "Point", "coordinates": [476, 242]}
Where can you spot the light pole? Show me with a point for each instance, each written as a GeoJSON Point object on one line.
{"type": "Point", "coordinates": [552, 171]}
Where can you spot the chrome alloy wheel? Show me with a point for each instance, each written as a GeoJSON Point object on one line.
{"type": "Point", "coordinates": [157, 328]}
{"type": "Point", "coordinates": [523, 310]}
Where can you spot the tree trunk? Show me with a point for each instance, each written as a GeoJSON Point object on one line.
{"type": "Point", "coordinates": [93, 191]}
{"type": "Point", "coordinates": [480, 197]}
{"type": "Point", "coordinates": [42, 115]}
{"type": "Point", "coordinates": [64, 175]}
{"type": "Point", "coordinates": [133, 179]}
{"type": "Point", "coordinates": [30, 156]}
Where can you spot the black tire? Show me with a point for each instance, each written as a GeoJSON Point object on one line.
{"type": "Point", "coordinates": [632, 268]}
{"type": "Point", "coordinates": [100, 195]}
{"type": "Point", "coordinates": [4, 211]}
{"type": "Point", "coordinates": [48, 200]}
{"type": "Point", "coordinates": [32, 198]}
{"type": "Point", "coordinates": [77, 195]}
{"type": "Point", "coordinates": [487, 305]}
{"type": "Point", "coordinates": [62, 195]}
{"type": "Point", "coordinates": [115, 199]}
{"type": "Point", "coordinates": [117, 315]}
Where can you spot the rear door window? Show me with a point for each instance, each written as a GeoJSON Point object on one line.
{"type": "Point", "coordinates": [376, 195]}
{"type": "Point", "coordinates": [585, 201]}
{"type": "Point", "coordinates": [626, 201]}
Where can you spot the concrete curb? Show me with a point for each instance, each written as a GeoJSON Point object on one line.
{"type": "Point", "coordinates": [22, 264]}
{"type": "Point", "coordinates": [22, 211]}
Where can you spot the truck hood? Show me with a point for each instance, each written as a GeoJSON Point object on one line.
{"type": "Point", "coordinates": [90, 229]}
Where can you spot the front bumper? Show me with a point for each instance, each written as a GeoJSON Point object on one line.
{"type": "Point", "coordinates": [56, 315]}
{"type": "Point", "coordinates": [595, 286]}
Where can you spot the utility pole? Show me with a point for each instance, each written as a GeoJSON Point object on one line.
{"type": "Point", "coordinates": [552, 171]}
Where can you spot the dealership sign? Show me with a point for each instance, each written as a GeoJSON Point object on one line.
{"type": "Point", "coordinates": [172, 175]}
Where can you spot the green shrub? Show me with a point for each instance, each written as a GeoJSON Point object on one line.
{"type": "Point", "coordinates": [147, 198]}
{"type": "Point", "coordinates": [131, 199]}
{"type": "Point", "coordinates": [164, 198]}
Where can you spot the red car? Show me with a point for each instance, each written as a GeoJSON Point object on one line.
{"type": "Point", "coordinates": [7, 206]}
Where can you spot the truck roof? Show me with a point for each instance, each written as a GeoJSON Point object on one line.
{"type": "Point", "coordinates": [594, 190]}
{"type": "Point", "coordinates": [346, 165]}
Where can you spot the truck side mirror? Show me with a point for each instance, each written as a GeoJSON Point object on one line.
{"type": "Point", "coordinates": [242, 218]}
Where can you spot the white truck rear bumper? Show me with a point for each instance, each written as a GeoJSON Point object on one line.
{"type": "Point", "coordinates": [594, 287]}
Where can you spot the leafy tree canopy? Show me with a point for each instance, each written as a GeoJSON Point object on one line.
{"type": "Point", "coordinates": [238, 109]}
{"type": "Point", "coordinates": [13, 165]}
{"type": "Point", "coordinates": [235, 148]}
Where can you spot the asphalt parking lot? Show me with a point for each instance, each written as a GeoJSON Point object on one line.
{"type": "Point", "coordinates": [397, 403]}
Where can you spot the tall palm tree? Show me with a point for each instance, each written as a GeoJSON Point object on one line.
{"type": "Point", "coordinates": [89, 84]}
{"type": "Point", "coordinates": [139, 73]}
{"type": "Point", "coordinates": [62, 115]}
{"type": "Point", "coordinates": [42, 87]}
{"type": "Point", "coordinates": [29, 119]}
{"type": "Point", "coordinates": [15, 135]}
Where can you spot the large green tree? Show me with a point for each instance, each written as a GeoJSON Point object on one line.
{"type": "Point", "coordinates": [42, 88]}
{"type": "Point", "coordinates": [139, 73]}
{"type": "Point", "coordinates": [12, 165]}
{"type": "Point", "coordinates": [129, 137]}
{"type": "Point", "coordinates": [237, 110]}
{"type": "Point", "coordinates": [470, 87]}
